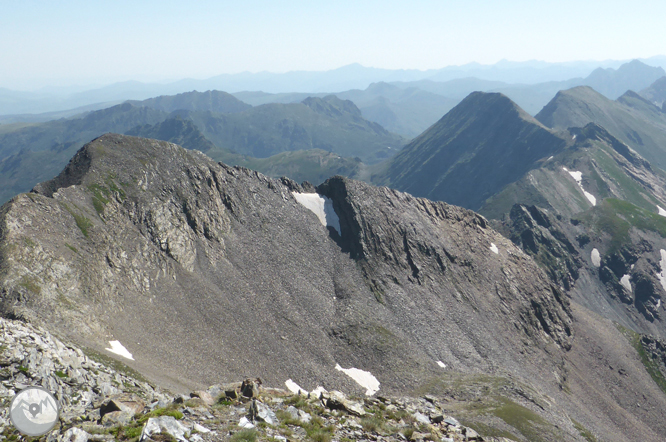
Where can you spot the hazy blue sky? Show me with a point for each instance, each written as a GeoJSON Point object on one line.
{"type": "Point", "coordinates": [44, 42]}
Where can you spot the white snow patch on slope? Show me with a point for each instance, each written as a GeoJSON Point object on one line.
{"type": "Point", "coordinates": [596, 258]}
{"type": "Point", "coordinates": [117, 348]}
{"type": "Point", "coordinates": [662, 212]}
{"type": "Point", "coordinates": [625, 282]}
{"type": "Point", "coordinates": [363, 378]}
{"type": "Point", "coordinates": [591, 198]}
{"type": "Point", "coordinates": [441, 364]}
{"type": "Point", "coordinates": [294, 387]}
{"type": "Point", "coordinates": [662, 275]}
{"type": "Point", "coordinates": [321, 206]}
{"type": "Point", "coordinates": [494, 248]}
{"type": "Point", "coordinates": [578, 176]}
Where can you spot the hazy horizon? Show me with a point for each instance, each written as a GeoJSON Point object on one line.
{"type": "Point", "coordinates": [82, 43]}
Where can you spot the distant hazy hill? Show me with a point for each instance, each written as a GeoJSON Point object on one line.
{"type": "Point", "coordinates": [630, 76]}
{"type": "Point", "coordinates": [656, 93]}
{"type": "Point", "coordinates": [533, 97]}
{"type": "Point", "coordinates": [480, 146]}
{"type": "Point", "coordinates": [328, 124]}
{"type": "Point", "coordinates": [214, 101]}
{"type": "Point", "coordinates": [630, 118]}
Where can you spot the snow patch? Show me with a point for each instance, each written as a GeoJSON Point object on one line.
{"type": "Point", "coordinates": [294, 387]}
{"type": "Point", "coordinates": [578, 176]}
{"type": "Point", "coordinates": [494, 248]}
{"type": "Point", "coordinates": [662, 212]}
{"type": "Point", "coordinates": [117, 348]}
{"type": "Point", "coordinates": [321, 206]}
{"type": "Point", "coordinates": [441, 364]}
{"type": "Point", "coordinates": [363, 378]}
{"type": "Point", "coordinates": [590, 197]}
{"type": "Point", "coordinates": [662, 275]}
{"type": "Point", "coordinates": [596, 258]}
{"type": "Point", "coordinates": [625, 282]}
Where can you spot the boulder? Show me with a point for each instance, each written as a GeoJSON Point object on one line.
{"type": "Point", "coordinates": [245, 423]}
{"type": "Point", "coordinates": [75, 435]}
{"type": "Point", "coordinates": [260, 412]}
{"type": "Point", "coordinates": [166, 424]}
{"type": "Point", "coordinates": [421, 418]}
{"type": "Point", "coordinates": [205, 396]}
{"type": "Point", "coordinates": [336, 400]}
{"type": "Point", "coordinates": [114, 418]}
{"type": "Point", "coordinates": [122, 402]}
{"type": "Point", "coordinates": [250, 388]}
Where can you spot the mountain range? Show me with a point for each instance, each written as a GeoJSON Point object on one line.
{"type": "Point", "coordinates": [541, 317]}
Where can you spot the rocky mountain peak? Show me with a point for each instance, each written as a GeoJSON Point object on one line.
{"type": "Point", "coordinates": [480, 146]}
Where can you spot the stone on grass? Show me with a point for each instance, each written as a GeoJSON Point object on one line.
{"type": "Point", "coordinates": [75, 435]}
{"type": "Point", "coordinates": [166, 424]}
{"type": "Point", "coordinates": [260, 412]}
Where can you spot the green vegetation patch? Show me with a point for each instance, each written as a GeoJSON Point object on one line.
{"type": "Point", "coordinates": [102, 193]}
{"type": "Point", "coordinates": [616, 218]}
{"type": "Point", "coordinates": [584, 431]}
{"type": "Point", "coordinates": [72, 248]}
{"type": "Point", "coordinates": [482, 404]}
{"type": "Point", "coordinates": [82, 222]}
{"type": "Point", "coordinates": [247, 435]}
{"type": "Point", "coordinates": [632, 190]}
{"type": "Point", "coordinates": [171, 410]}
{"type": "Point", "coordinates": [651, 366]}
{"type": "Point", "coordinates": [31, 284]}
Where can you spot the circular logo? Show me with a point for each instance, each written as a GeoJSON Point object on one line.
{"type": "Point", "coordinates": [34, 411]}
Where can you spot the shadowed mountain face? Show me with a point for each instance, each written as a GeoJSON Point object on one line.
{"type": "Point", "coordinates": [630, 118]}
{"type": "Point", "coordinates": [656, 92]}
{"type": "Point", "coordinates": [207, 273]}
{"type": "Point", "coordinates": [213, 101]}
{"type": "Point", "coordinates": [480, 146]}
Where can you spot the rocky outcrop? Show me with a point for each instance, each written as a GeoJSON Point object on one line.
{"type": "Point", "coordinates": [533, 230]}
